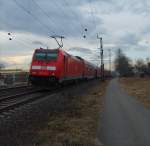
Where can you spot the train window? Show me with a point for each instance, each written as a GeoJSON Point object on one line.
{"type": "Point", "coordinates": [52, 56]}
{"type": "Point", "coordinates": [40, 56]}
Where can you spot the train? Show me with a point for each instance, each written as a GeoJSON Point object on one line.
{"type": "Point", "coordinates": [56, 66]}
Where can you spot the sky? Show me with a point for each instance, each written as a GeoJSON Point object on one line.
{"type": "Point", "coordinates": [122, 24]}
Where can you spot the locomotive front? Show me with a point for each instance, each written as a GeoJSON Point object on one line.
{"type": "Point", "coordinates": [44, 66]}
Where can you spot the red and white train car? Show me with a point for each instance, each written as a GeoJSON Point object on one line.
{"type": "Point", "coordinates": [90, 71]}
{"type": "Point", "coordinates": [58, 66]}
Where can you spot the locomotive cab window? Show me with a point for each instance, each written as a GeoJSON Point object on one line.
{"type": "Point", "coordinates": [50, 55]}
{"type": "Point", "coordinates": [40, 56]}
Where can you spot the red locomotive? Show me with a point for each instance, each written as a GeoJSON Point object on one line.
{"type": "Point", "coordinates": [57, 66]}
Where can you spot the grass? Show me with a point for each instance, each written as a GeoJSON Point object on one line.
{"type": "Point", "coordinates": [78, 125]}
{"type": "Point", "coordinates": [139, 88]}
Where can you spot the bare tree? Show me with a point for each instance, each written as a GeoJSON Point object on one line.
{"type": "Point", "coordinates": [123, 64]}
{"type": "Point", "coordinates": [140, 65]}
{"type": "Point", "coordinates": [2, 66]}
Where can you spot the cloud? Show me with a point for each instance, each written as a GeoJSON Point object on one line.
{"type": "Point", "coordinates": [47, 19]}
{"type": "Point", "coordinates": [121, 23]}
{"type": "Point", "coordinates": [130, 39]}
{"type": "Point", "coordinates": [16, 61]}
{"type": "Point", "coordinates": [38, 43]}
{"type": "Point", "coordinates": [83, 50]}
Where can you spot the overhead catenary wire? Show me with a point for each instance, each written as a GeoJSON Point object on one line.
{"type": "Point", "coordinates": [83, 29]}
{"type": "Point", "coordinates": [11, 37]}
{"type": "Point", "coordinates": [92, 13]}
{"type": "Point", "coordinates": [46, 28]}
{"type": "Point", "coordinates": [51, 20]}
{"type": "Point", "coordinates": [44, 12]}
{"type": "Point", "coordinates": [73, 13]}
{"type": "Point", "coordinates": [65, 14]}
{"type": "Point", "coordinates": [14, 34]}
{"type": "Point", "coordinates": [36, 18]}
{"type": "Point", "coordinates": [21, 42]}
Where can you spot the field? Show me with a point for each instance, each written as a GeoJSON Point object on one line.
{"type": "Point", "coordinates": [139, 88]}
{"type": "Point", "coordinates": [78, 125]}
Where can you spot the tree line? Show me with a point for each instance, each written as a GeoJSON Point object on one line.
{"type": "Point", "coordinates": [125, 66]}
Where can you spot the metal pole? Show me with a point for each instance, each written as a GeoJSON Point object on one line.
{"type": "Point", "coordinates": [110, 60]}
{"type": "Point", "coordinates": [101, 54]}
{"type": "Point", "coordinates": [102, 59]}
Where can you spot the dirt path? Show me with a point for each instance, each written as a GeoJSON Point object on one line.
{"type": "Point", "coordinates": [125, 121]}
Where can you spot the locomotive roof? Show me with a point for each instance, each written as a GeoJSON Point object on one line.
{"type": "Point", "coordinates": [45, 50]}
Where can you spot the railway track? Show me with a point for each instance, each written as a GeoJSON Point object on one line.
{"type": "Point", "coordinates": [10, 102]}
{"type": "Point", "coordinates": [13, 91]}
{"type": "Point", "coordinates": [22, 97]}
{"type": "Point", "coordinates": [12, 88]}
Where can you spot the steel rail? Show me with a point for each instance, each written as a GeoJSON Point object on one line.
{"type": "Point", "coordinates": [19, 103]}
{"type": "Point", "coordinates": [11, 88]}
{"type": "Point", "coordinates": [14, 104]}
{"type": "Point", "coordinates": [19, 95]}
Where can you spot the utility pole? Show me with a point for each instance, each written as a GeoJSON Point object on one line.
{"type": "Point", "coordinates": [101, 55]}
{"type": "Point", "coordinates": [109, 60]}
